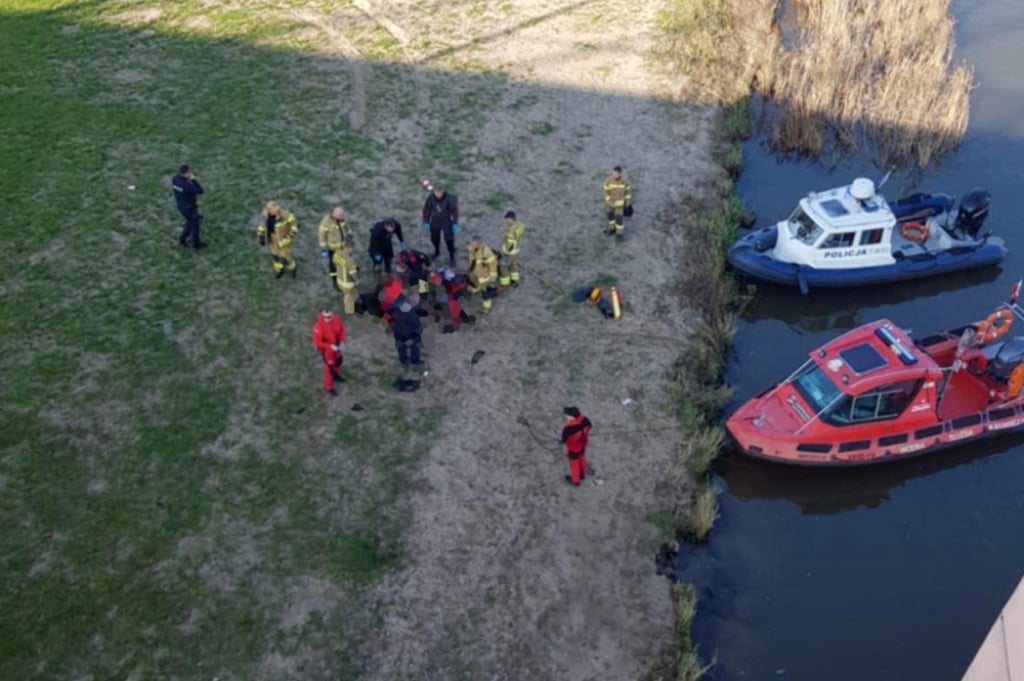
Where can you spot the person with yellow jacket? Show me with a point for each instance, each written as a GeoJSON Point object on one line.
{"type": "Point", "coordinates": [618, 200]}
{"type": "Point", "coordinates": [508, 268]}
{"type": "Point", "coordinates": [346, 276]}
{"type": "Point", "coordinates": [279, 227]}
{"type": "Point", "coordinates": [333, 233]}
{"type": "Point", "coordinates": [483, 272]}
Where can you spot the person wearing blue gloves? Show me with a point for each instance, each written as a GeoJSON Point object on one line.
{"type": "Point", "coordinates": [381, 251]}
{"type": "Point", "coordinates": [441, 216]}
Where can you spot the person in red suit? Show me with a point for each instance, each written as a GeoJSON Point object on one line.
{"type": "Point", "coordinates": [329, 341]}
{"type": "Point", "coordinates": [575, 436]}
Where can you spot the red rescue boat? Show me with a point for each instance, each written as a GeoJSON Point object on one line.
{"type": "Point", "coordinates": [875, 394]}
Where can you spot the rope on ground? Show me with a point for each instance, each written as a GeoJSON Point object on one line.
{"type": "Point", "coordinates": [534, 273]}
{"type": "Point", "coordinates": [595, 431]}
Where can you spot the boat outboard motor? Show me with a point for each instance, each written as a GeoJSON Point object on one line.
{"type": "Point", "coordinates": [1007, 359]}
{"type": "Point", "coordinates": [973, 211]}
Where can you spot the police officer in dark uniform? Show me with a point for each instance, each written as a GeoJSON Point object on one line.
{"type": "Point", "coordinates": [186, 189]}
{"type": "Point", "coordinates": [381, 250]}
{"type": "Point", "coordinates": [441, 216]}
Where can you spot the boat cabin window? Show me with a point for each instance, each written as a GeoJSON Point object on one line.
{"type": "Point", "coordinates": [838, 240]}
{"type": "Point", "coordinates": [885, 402]}
{"type": "Point", "coordinates": [803, 227]}
{"type": "Point", "coordinates": [871, 236]}
{"type": "Point", "coordinates": [815, 387]}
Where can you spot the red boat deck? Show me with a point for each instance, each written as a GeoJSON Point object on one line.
{"type": "Point", "coordinates": [965, 394]}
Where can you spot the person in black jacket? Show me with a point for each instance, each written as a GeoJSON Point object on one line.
{"type": "Point", "coordinates": [380, 243]}
{"type": "Point", "coordinates": [186, 189]}
{"type": "Point", "coordinates": [407, 329]}
{"type": "Point", "coordinates": [441, 216]}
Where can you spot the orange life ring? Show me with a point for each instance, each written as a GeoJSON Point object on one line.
{"type": "Point", "coordinates": [994, 326]}
{"type": "Point", "coordinates": [1016, 381]}
{"type": "Point", "coordinates": [914, 231]}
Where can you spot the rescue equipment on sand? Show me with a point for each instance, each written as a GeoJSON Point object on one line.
{"type": "Point", "coordinates": [616, 303]}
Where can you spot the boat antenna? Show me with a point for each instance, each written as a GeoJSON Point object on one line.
{"type": "Point", "coordinates": [882, 180]}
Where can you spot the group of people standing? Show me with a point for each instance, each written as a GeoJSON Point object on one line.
{"type": "Point", "coordinates": [405, 283]}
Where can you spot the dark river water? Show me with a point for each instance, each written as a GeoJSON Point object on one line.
{"type": "Point", "coordinates": [887, 572]}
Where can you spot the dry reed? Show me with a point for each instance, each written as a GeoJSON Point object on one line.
{"type": "Point", "coordinates": [703, 513]}
{"type": "Point", "coordinates": [871, 75]}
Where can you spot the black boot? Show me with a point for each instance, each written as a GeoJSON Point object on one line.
{"type": "Point", "coordinates": [280, 273]}
{"type": "Point", "coordinates": [295, 272]}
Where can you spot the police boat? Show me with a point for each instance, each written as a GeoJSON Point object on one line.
{"type": "Point", "coordinates": [852, 236]}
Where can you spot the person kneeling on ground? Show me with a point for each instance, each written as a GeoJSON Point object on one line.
{"type": "Point", "coordinates": [448, 286]}
{"type": "Point", "coordinates": [407, 329]}
{"type": "Point", "coordinates": [417, 265]}
{"type": "Point", "coordinates": [575, 437]}
{"type": "Point", "coordinates": [329, 341]}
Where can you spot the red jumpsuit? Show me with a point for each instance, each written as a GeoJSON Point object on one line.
{"type": "Point", "coordinates": [576, 436]}
{"type": "Point", "coordinates": [389, 296]}
{"type": "Point", "coordinates": [448, 292]}
{"type": "Point", "coordinates": [326, 334]}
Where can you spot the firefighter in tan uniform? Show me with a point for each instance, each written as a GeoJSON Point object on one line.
{"type": "Point", "coordinates": [333, 233]}
{"type": "Point", "coordinates": [618, 197]}
{"type": "Point", "coordinates": [279, 227]}
{"type": "Point", "coordinates": [483, 272]}
{"type": "Point", "coordinates": [346, 276]}
{"type": "Point", "coordinates": [508, 268]}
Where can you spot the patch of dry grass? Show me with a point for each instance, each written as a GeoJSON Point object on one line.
{"type": "Point", "coordinates": [873, 75]}
{"type": "Point", "coordinates": [703, 513]}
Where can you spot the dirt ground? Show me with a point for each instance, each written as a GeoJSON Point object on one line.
{"type": "Point", "coordinates": [516, 575]}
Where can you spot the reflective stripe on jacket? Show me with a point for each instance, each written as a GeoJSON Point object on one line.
{"type": "Point", "coordinates": [617, 193]}
{"type": "Point", "coordinates": [333, 233]}
{"type": "Point", "coordinates": [511, 244]}
{"type": "Point", "coordinates": [346, 270]}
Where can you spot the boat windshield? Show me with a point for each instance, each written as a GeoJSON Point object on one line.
{"type": "Point", "coordinates": [803, 227]}
{"type": "Point", "coordinates": [815, 387]}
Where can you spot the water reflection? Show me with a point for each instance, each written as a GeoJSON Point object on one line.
{"type": "Point", "coordinates": [837, 309]}
{"type": "Point", "coordinates": [828, 491]}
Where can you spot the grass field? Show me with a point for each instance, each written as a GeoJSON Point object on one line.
{"type": "Point", "coordinates": [150, 526]}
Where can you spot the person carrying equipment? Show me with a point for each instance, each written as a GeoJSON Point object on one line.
{"type": "Point", "coordinates": [508, 268]}
{"type": "Point", "coordinates": [333, 233]}
{"type": "Point", "coordinates": [441, 216]}
{"type": "Point", "coordinates": [346, 276]}
{"type": "Point", "coordinates": [329, 341]}
{"type": "Point", "coordinates": [576, 437]}
{"type": "Point", "coordinates": [186, 189]}
{"type": "Point", "coordinates": [618, 197]}
{"type": "Point", "coordinates": [381, 251]}
{"type": "Point", "coordinates": [483, 272]}
{"type": "Point", "coordinates": [280, 227]}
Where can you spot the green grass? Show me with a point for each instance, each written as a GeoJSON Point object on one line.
{"type": "Point", "coordinates": [172, 481]}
